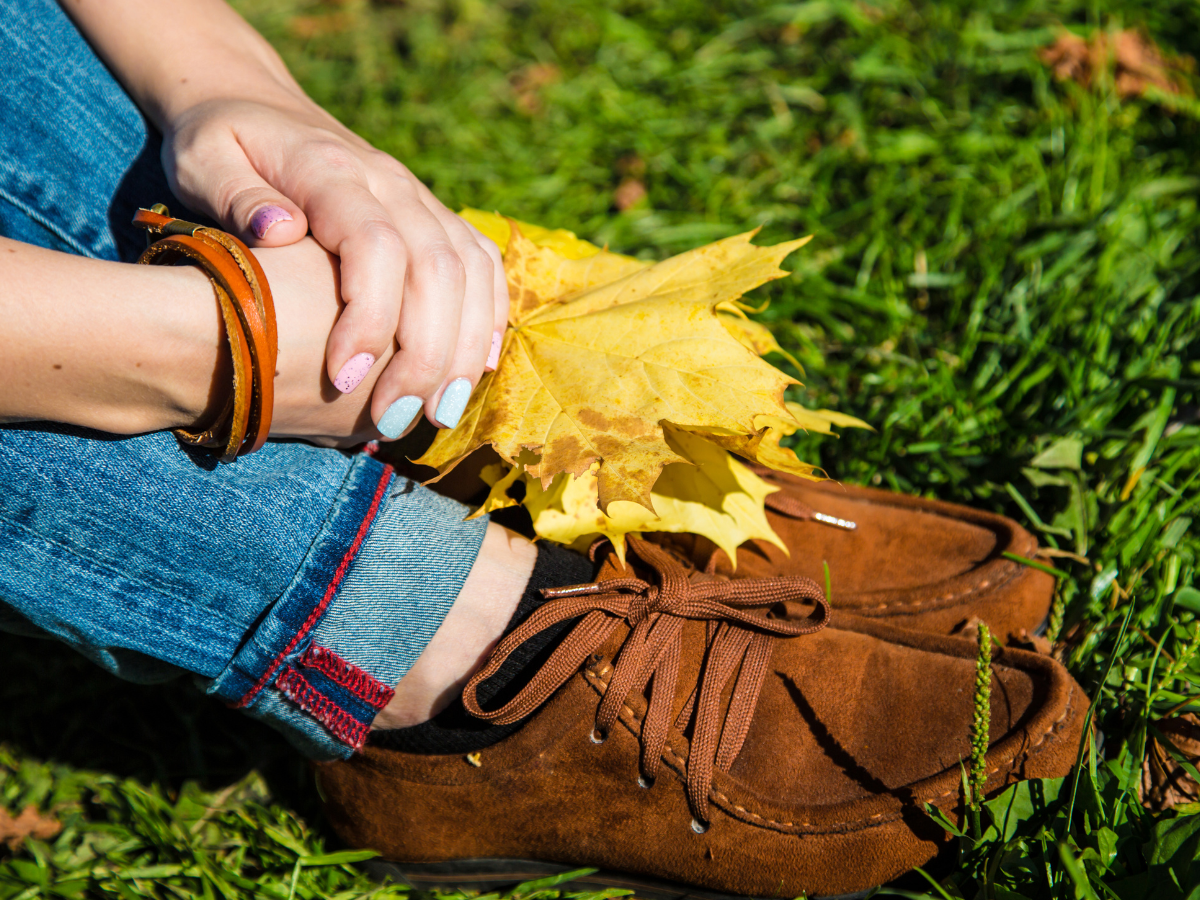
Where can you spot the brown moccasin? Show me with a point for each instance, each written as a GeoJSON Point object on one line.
{"type": "Point", "coordinates": [920, 564]}
{"type": "Point", "coordinates": [682, 743]}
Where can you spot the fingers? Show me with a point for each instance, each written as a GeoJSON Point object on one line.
{"type": "Point", "coordinates": [411, 271]}
{"type": "Point", "coordinates": [229, 188]}
{"type": "Point", "coordinates": [476, 331]}
{"type": "Point", "coordinates": [500, 296]}
{"type": "Point", "coordinates": [349, 221]}
{"type": "Point", "coordinates": [447, 318]}
{"type": "Point", "coordinates": [499, 281]}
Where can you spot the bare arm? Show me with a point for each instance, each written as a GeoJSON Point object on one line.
{"type": "Point", "coordinates": [171, 56]}
{"type": "Point", "coordinates": [129, 349]}
{"type": "Point", "coordinates": [114, 347]}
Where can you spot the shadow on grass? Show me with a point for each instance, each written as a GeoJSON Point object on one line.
{"type": "Point", "coordinates": [60, 708]}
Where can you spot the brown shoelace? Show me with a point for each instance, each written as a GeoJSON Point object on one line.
{"type": "Point", "coordinates": [787, 505]}
{"type": "Point", "coordinates": [738, 641]}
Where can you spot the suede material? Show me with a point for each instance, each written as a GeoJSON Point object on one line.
{"type": "Point", "coordinates": [856, 727]}
{"type": "Point", "coordinates": [923, 564]}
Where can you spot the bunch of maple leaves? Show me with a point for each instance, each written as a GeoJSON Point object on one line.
{"type": "Point", "coordinates": [624, 389]}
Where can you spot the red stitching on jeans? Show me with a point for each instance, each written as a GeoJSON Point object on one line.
{"type": "Point", "coordinates": [338, 575]}
{"type": "Point", "coordinates": [359, 682]}
{"type": "Point", "coordinates": [340, 723]}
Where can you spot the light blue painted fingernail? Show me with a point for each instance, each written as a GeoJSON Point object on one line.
{"type": "Point", "coordinates": [399, 416]}
{"type": "Point", "coordinates": [453, 402]}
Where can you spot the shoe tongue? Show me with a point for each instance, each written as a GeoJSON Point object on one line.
{"type": "Point", "coordinates": [611, 567]}
{"type": "Point", "coordinates": [634, 567]}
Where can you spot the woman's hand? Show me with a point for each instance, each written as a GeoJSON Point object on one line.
{"type": "Point", "coordinates": [411, 271]}
{"type": "Point", "coordinates": [304, 285]}
{"type": "Point", "coordinates": [244, 144]}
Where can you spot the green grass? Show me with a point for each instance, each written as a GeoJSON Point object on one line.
{"type": "Point", "coordinates": [1004, 281]}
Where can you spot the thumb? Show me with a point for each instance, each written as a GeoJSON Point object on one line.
{"type": "Point", "coordinates": [232, 191]}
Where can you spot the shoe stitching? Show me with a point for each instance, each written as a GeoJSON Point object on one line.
{"type": "Point", "coordinates": [1032, 750]}
{"type": "Point", "coordinates": [1014, 572]}
{"type": "Point", "coordinates": [677, 763]}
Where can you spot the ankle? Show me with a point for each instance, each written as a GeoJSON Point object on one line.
{"type": "Point", "coordinates": [476, 621]}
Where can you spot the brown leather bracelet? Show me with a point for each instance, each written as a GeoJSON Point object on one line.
{"type": "Point", "coordinates": [249, 315]}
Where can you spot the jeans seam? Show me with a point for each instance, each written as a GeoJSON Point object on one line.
{"type": "Point", "coordinates": [318, 610]}
{"type": "Point", "coordinates": [340, 723]}
{"type": "Point", "coordinates": [345, 673]}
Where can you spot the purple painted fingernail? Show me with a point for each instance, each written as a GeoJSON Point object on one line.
{"type": "Point", "coordinates": [262, 221]}
{"type": "Point", "coordinates": [494, 354]}
{"type": "Point", "coordinates": [353, 372]}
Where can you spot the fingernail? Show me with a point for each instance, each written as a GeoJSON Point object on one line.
{"type": "Point", "coordinates": [399, 416]}
{"type": "Point", "coordinates": [262, 220]}
{"type": "Point", "coordinates": [453, 402]}
{"type": "Point", "coordinates": [353, 372]}
{"type": "Point", "coordinates": [494, 354]}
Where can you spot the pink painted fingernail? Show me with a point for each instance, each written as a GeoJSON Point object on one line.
{"type": "Point", "coordinates": [494, 355]}
{"type": "Point", "coordinates": [353, 372]}
{"type": "Point", "coordinates": [262, 220]}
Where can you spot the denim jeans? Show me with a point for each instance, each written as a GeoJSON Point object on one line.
{"type": "Point", "coordinates": [299, 583]}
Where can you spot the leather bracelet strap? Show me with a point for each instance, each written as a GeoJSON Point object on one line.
{"type": "Point", "coordinates": [248, 312]}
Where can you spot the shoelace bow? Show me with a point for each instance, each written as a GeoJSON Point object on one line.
{"type": "Point", "coordinates": [738, 640]}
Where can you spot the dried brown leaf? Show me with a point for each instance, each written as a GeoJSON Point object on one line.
{"type": "Point", "coordinates": [1165, 783]}
{"type": "Point", "coordinates": [29, 824]}
{"type": "Point", "coordinates": [1135, 62]}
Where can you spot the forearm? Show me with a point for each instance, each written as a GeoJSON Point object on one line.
{"type": "Point", "coordinates": [172, 55]}
{"type": "Point", "coordinates": [111, 346]}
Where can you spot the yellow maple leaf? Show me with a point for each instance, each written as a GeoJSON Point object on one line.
{"type": "Point", "coordinates": [499, 477]}
{"type": "Point", "coordinates": [561, 266]}
{"type": "Point", "coordinates": [754, 335]}
{"type": "Point", "coordinates": [764, 446]}
{"type": "Point", "coordinates": [712, 495]}
{"type": "Point", "coordinates": [715, 496]}
{"type": "Point", "coordinates": [499, 229]}
{"type": "Point", "coordinates": [590, 369]}
{"type": "Point", "coordinates": [821, 420]}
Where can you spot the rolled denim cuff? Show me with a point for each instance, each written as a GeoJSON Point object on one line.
{"type": "Point", "coordinates": [378, 582]}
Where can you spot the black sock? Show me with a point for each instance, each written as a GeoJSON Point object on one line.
{"type": "Point", "coordinates": [454, 730]}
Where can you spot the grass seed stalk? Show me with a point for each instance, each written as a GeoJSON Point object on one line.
{"type": "Point", "coordinates": [981, 726]}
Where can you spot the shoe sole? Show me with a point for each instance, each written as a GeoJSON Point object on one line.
{"type": "Point", "coordinates": [498, 874]}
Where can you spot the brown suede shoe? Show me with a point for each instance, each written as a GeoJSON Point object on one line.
{"type": "Point", "coordinates": [919, 564]}
{"type": "Point", "coordinates": [682, 743]}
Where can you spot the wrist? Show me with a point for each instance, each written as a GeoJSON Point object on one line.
{"type": "Point", "coordinates": [304, 280]}
{"type": "Point", "coordinates": [177, 107]}
{"type": "Point", "coordinates": [174, 371]}
{"type": "Point", "coordinates": [192, 372]}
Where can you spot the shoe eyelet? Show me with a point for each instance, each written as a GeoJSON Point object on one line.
{"type": "Point", "coordinates": [644, 783]}
{"type": "Point", "coordinates": [698, 827]}
{"type": "Point", "coordinates": [597, 736]}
